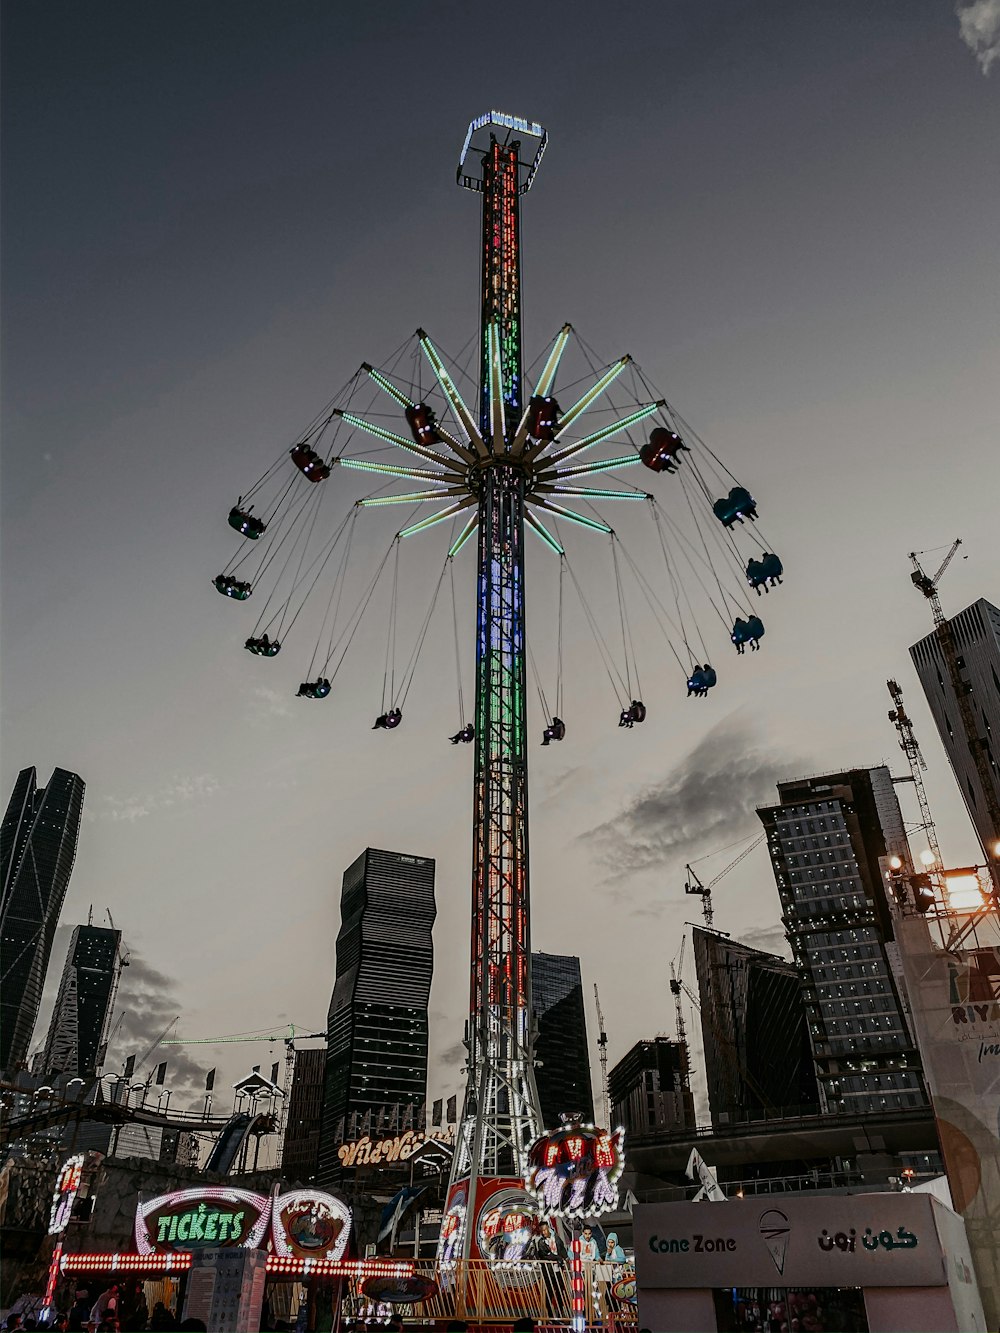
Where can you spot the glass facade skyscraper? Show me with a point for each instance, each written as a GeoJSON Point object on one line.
{"type": "Point", "coordinates": [377, 1024]}
{"type": "Point", "coordinates": [825, 839]}
{"type": "Point", "coordinates": [38, 840]}
{"type": "Point", "coordinates": [83, 1006]}
{"type": "Point", "coordinates": [562, 1072]}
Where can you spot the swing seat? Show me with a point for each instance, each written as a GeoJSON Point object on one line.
{"type": "Point", "coordinates": [555, 731]}
{"type": "Point", "coordinates": [738, 505]}
{"type": "Point", "coordinates": [314, 689]}
{"type": "Point", "coordinates": [232, 587]}
{"type": "Point", "coordinates": [263, 647]}
{"type": "Point", "coordinates": [309, 463]}
{"type": "Point", "coordinates": [423, 424]}
{"type": "Point", "coordinates": [637, 711]}
{"type": "Point", "coordinates": [543, 418]}
{"type": "Point", "coordinates": [387, 721]}
{"type": "Point", "coordinates": [246, 523]}
{"type": "Point", "coordinates": [464, 737]}
{"type": "Point", "coordinates": [661, 453]}
{"type": "Point", "coordinates": [772, 566]}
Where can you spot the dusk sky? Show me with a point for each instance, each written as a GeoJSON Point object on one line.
{"type": "Point", "coordinates": [787, 211]}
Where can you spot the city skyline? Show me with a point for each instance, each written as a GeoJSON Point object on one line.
{"type": "Point", "coordinates": [211, 789]}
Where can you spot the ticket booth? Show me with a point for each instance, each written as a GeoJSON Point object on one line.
{"type": "Point", "coordinates": [849, 1263]}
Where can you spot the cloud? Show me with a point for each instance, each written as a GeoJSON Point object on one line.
{"type": "Point", "coordinates": [771, 939]}
{"type": "Point", "coordinates": [148, 1000]}
{"type": "Point", "coordinates": [454, 1055]}
{"type": "Point", "coordinates": [979, 25]}
{"type": "Point", "coordinates": [180, 791]}
{"type": "Point", "coordinates": [708, 800]}
{"type": "Point", "coordinates": [267, 703]}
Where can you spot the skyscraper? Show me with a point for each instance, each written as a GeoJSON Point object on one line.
{"type": "Point", "coordinates": [650, 1088]}
{"type": "Point", "coordinates": [377, 1024]}
{"type": "Point", "coordinates": [37, 849]}
{"type": "Point", "coordinates": [758, 1061]}
{"type": "Point", "coordinates": [83, 1006]}
{"type": "Point", "coordinates": [825, 839]}
{"type": "Point", "coordinates": [562, 1072]}
{"type": "Point", "coordinates": [300, 1154]}
{"type": "Point", "coordinates": [977, 638]}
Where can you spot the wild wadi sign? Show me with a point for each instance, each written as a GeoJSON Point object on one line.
{"type": "Point", "coordinates": [303, 1224]}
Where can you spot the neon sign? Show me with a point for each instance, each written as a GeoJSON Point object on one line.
{"type": "Point", "coordinates": [195, 1218]}
{"type": "Point", "coordinates": [64, 1196]}
{"type": "Point", "coordinates": [365, 1151]}
{"type": "Point", "coordinates": [308, 1224]}
{"type": "Point", "coordinates": [302, 1224]}
{"type": "Point", "coordinates": [574, 1171]}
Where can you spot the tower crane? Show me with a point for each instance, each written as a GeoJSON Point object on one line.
{"type": "Point", "coordinates": [908, 743]}
{"type": "Point", "coordinates": [602, 1048]}
{"type": "Point", "coordinates": [289, 1036]}
{"type": "Point", "coordinates": [704, 891]}
{"type": "Point", "coordinates": [928, 585]}
{"type": "Point", "coordinates": [676, 987]}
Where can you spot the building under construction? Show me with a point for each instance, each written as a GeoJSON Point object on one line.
{"type": "Point", "coordinates": [758, 1062]}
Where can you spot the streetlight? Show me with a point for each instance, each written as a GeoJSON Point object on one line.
{"type": "Point", "coordinates": [82, 1082]}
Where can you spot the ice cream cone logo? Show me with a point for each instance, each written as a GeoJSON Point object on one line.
{"type": "Point", "coordinates": [774, 1231]}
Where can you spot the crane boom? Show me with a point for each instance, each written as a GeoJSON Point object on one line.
{"type": "Point", "coordinates": [899, 718]}
{"type": "Point", "coordinates": [602, 1047]}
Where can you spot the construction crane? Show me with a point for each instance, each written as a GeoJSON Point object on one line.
{"type": "Point", "coordinates": [289, 1036]}
{"type": "Point", "coordinates": [676, 989]}
{"type": "Point", "coordinates": [908, 743]}
{"type": "Point", "coordinates": [704, 891]}
{"type": "Point", "coordinates": [602, 1048]}
{"type": "Point", "coordinates": [945, 635]}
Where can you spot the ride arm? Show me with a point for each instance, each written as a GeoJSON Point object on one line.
{"type": "Point", "coordinates": [438, 518]}
{"type": "Point", "coordinates": [581, 404]}
{"type": "Point", "coordinates": [604, 433]}
{"type": "Point", "coordinates": [387, 386]}
{"type": "Point", "coordinates": [594, 523]}
{"type": "Point", "coordinates": [454, 397]}
{"type": "Point", "coordinates": [381, 433]}
{"type": "Point", "coordinates": [545, 382]}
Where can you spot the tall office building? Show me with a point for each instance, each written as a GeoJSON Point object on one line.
{"type": "Point", "coordinates": [37, 849]}
{"type": "Point", "coordinates": [977, 637]}
{"type": "Point", "coordinates": [377, 1024]}
{"type": "Point", "coordinates": [825, 839]}
{"type": "Point", "coordinates": [650, 1088]}
{"type": "Point", "coordinates": [300, 1154]}
{"type": "Point", "coordinates": [758, 1061]}
{"type": "Point", "coordinates": [83, 1006]}
{"type": "Point", "coordinates": [562, 1072]}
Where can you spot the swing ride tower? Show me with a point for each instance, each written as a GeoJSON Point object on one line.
{"type": "Point", "coordinates": [502, 465]}
{"type": "Point", "coordinates": [500, 1116]}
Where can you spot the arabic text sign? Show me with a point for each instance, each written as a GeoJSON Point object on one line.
{"type": "Point", "coordinates": [857, 1240]}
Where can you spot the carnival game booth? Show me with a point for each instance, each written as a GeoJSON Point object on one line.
{"type": "Point", "coordinates": [858, 1263]}
{"type": "Point", "coordinates": [211, 1252]}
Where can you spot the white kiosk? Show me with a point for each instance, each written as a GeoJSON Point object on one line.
{"type": "Point", "coordinates": [855, 1263]}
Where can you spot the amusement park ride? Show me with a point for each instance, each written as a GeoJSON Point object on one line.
{"type": "Point", "coordinates": [514, 461]}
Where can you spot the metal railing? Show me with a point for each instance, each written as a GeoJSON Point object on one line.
{"type": "Point", "coordinates": [502, 1293]}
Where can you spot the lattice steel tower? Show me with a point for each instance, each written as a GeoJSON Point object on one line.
{"type": "Point", "coordinates": [500, 1115]}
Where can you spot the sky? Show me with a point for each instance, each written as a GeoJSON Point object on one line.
{"type": "Point", "coordinates": [213, 213]}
